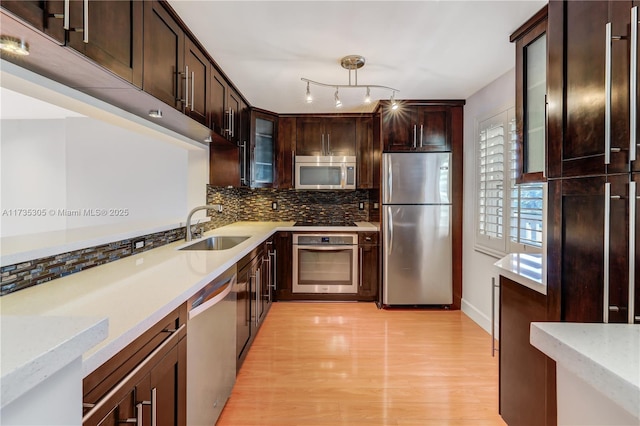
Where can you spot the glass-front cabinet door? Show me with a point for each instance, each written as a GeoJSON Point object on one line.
{"type": "Point", "coordinates": [260, 168]}
{"type": "Point", "coordinates": [531, 98]}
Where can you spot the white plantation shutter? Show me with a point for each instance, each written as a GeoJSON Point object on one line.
{"type": "Point", "coordinates": [508, 216]}
{"type": "Point", "coordinates": [490, 201]}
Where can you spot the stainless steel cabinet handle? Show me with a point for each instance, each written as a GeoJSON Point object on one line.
{"type": "Point", "coordinates": [360, 265]}
{"type": "Point", "coordinates": [328, 143]}
{"type": "Point", "coordinates": [293, 165]}
{"type": "Point", "coordinates": [65, 24]}
{"type": "Point", "coordinates": [607, 94]}
{"type": "Point", "coordinates": [139, 413]}
{"type": "Point", "coordinates": [633, 89]}
{"type": "Point", "coordinates": [607, 245]}
{"type": "Point", "coordinates": [421, 132]}
{"type": "Point", "coordinates": [186, 87]}
{"type": "Point", "coordinates": [244, 162]}
{"type": "Point", "coordinates": [154, 407]}
{"type": "Point", "coordinates": [85, 36]}
{"type": "Point", "coordinates": [274, 254]}
{"type": "Point", "coordinates": [193, 83]}
{"type": "Point", "coordinates": [632, 251]}
{"type": "Point", "coordinates": [414, 135]}
{"type": "Point", "coordinates": [258, 283]}
{"type": "Point", "coordinates": [493, 315]}
{"type": "Point", "coordinates": [252, 277]}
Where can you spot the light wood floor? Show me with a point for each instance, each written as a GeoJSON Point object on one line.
{"type": "Point", "coordinates": [351, 364]}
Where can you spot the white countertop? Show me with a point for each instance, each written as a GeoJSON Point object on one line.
{"type": "Point", "coordinates": [607, 356]}
{"type": "Point", "coordinates": [525, 269]}
{"type": "Point", "coordinates": [34, 348]}
{"type": "Point", "coordinates": [132, 293]}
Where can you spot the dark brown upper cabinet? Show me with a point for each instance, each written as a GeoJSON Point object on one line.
{"type": "Point", "coordinates": [45, 16]}
{"type": "Point", "coordinates": [285, 153]}
{"type": "Point", "coordinates": [317, 135]}
{"type": "Point", "coordinates": [164, 71]}
{"type": "Point", "coordinates": [198, 73]}
{"type": "Point", "coordinates": [108, 32]}
{"type": "Point", "coordinates": [218, 103]}
{"type": "Point", "coordinates": [259, 161]}
{"type": "Point", "coordinates": [591, 96]}
{"type": "Point", "coordinates": [531, 98]}
{"type": "Point", "coordinates": [415, 127]}
{"type": "Point", "coordinates": [366, 153]}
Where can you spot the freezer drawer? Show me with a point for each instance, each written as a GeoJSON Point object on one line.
{"type": "Point", "coordinates": [417, 255]}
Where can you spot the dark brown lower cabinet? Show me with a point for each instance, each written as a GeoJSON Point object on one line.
{"type": "Point", "coordinates": [145, 381]}
{"type": "Point", "coordinates": [527, 376]}
{"type": "Point", "coordinates": [369, 265]}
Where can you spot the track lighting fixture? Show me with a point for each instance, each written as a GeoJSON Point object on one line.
{"type": "Point", "coordinates": [309, 98]}
{"type": "Point", "coordinates": [337, 98]}
{"type": "Point", "coordinates": [394, 104]}
{"type": "Point", "coordinates": [350, 63]}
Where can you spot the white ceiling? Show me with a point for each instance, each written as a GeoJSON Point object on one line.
{"type": "Point", "coordinates": [427, 49]}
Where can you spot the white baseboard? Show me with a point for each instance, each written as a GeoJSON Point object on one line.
{"type": "Point", "coordinates": [476, 315]}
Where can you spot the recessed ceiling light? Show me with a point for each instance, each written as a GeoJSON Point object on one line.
{"type": "Point", "coordinates": [208, 139]}
{"type": "Point", "coordinates": [14, 45]}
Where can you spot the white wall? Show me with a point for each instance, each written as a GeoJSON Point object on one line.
{"type": "Point", "coordinates": [33, 174]}
{"type": "Point", "coordinates": [83, 163]}
{"type": "Point", "coordinates": [477, 268]}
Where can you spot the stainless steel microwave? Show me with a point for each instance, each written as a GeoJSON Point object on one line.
{"type": "Point", "coordinates": [325, 172]}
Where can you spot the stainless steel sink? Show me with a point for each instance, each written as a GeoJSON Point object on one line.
{"type": "Point", "coordinates": [216, 243]}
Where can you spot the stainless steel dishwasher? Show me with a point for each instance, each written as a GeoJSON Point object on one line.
{"type": "Point", "coordinates": [211, 349]}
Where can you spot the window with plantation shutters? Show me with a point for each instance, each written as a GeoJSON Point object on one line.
{"type": "Point", "coordinates": [490, 201]}
{"type": "Point", "coordinates": [508, 216]}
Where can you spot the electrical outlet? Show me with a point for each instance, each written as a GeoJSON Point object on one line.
{"type": "Point", "coordinates": [274, 205]}
{"type": "Point", "coordinates": [361, 205]}
{"type": "Point", "coordinates": [138, 244]}
{"type": "Point", "coordinates": [376, 206]}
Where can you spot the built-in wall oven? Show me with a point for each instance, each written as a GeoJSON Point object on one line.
{"type": "Point", "coordinates": [325, 263]}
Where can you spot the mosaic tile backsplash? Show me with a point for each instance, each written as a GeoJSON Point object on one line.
{"type": "Point", "coordinates": [239, 204]}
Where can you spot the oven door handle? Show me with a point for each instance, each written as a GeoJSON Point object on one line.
{"type": "Point", "coordinates": [324, 248]}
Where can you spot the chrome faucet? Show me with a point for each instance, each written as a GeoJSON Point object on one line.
{"type": "Point", "coordinates": [216, 207]}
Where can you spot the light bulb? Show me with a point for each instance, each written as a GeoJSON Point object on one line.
{"type": "Point", "coordinates": [394, 104]}
{"type": "Point", "coordinates": [338, 101]}
{"type": "Point", "coordinates": [309, 97]}
{"type": "Point", "coordinates": [367, 97]}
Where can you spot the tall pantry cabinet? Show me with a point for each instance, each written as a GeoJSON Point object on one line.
{"type": "Point", "coordinates": [592, 161]}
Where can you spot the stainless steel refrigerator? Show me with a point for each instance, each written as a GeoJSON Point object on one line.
{"type": "Point", "coordinates": [416, 202]}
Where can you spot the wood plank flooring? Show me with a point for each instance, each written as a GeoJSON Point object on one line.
{"type": "Point", "coordinates": [326, 364]}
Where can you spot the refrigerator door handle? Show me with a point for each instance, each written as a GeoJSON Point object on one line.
{"type": "Point", "coordinates": [389, 181]}
{"type": "Point", "coordinates": [390, 216]}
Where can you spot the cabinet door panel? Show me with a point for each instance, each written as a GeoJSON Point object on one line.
{"type": "Point", "coordinates": [397, 129]}
{"type": "Point", "coordinates": [285, 152]}
{"type": "Point", "coordinates": [218, 103]}
{"type": "Point", "coordinates": [199, 81]}
{"type": "Point", "coordinates": [115, 36]}
{"type": "Point", "coordinates": [234, 116]}
{"type": "Point", "coordinates": [434, 131]}
{"type": "Point", "coordinates": [40, 15]}
{"type": "Point", "coordinates": [310, 139]}
{"type": "Point", "coordinates": [243, 317]}
{"type": "Point", "coordinates": [582, 249]}
{"type": "Point", "coordinates": [163, 55]}
{"type": "Point", "coordinates": [340, 134]}
{"type": "Point", "coordinates": [369, 276]}
{"type": "Point", "coordinates": [619, 249]}
{"type": "Point", "coordinates": [163, 378]}
{"type": "Point", "coordinates": [521, 363]}
{"type": "Point", "coordinates": [364, 145]}
{"type": "Point", "coordinates": [224, 164]}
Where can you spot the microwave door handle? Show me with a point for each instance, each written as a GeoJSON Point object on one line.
{"type": "Point", "coordinates": [343, 182]}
